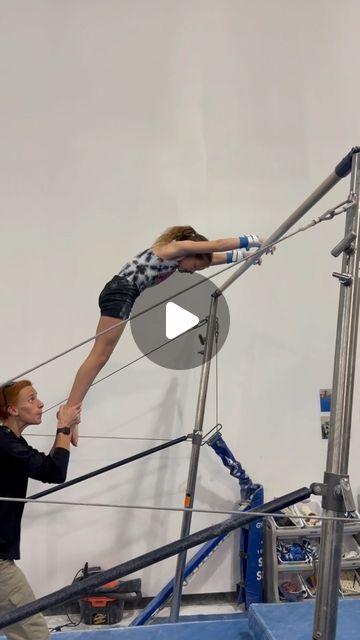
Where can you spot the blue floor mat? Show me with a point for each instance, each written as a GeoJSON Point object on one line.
{"type": "Point", "coordinates": [235, 629]}
{"type": "Point", "coordinates": [295, 620]}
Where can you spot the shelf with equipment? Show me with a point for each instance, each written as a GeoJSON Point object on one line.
{"type": "Point", "coordinates": [291, 549]}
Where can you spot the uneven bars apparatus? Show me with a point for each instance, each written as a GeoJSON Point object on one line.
{"type": "Point", "coordinates": [336, 485]}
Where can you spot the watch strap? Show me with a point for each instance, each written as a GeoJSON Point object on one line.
{"type": "Point", "coordinates": [64, 430]}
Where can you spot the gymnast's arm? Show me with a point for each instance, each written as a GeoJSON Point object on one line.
{"type": "Point", "coordinates": [181, 248]}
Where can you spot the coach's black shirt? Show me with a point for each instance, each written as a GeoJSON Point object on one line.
{"type": "Point", "coordinates": [18, 463]}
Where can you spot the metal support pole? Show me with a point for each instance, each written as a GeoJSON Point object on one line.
{"type": "Point", "coordinates": [195, 453]}
{"type": "Point", "coordinates": [335, 497]}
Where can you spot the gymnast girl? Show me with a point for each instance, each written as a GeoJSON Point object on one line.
{"type": "Point", "coordinates": [179, 249]}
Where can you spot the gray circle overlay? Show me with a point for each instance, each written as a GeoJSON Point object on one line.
{"type": "Point", "coordinates": [149, 330]}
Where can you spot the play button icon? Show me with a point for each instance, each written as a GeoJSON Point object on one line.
{"type": "Point", "coordinates": [169, 321]}
{"type": "Point", "coordinates": [178, 320]}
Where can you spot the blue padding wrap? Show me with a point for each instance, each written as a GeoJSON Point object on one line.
{"type": "Point", "coordinates": [229, 255]}
{"type": "Point", "coordinates": [251, 544]}
{"type": "Point", "coordinates": [244, 242]}
{"type": "Point", "coordinates": [344, 167]}
{"type": "Point", "coordinates": [236, 470]}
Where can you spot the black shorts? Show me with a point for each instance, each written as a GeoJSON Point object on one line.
{"type": "Point", "coordinates": [117, 298]}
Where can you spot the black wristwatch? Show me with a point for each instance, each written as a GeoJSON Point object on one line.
{"type": "Point", "coordinates": [65, 430]}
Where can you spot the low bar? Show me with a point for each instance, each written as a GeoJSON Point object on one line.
{"type": "Point", "coordinates": [109, 467]}
{"type": "Point", "coordinates": [87, 586]}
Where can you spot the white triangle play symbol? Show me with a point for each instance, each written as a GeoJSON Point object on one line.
{"type": "Point", "coordinates": [178, 320]}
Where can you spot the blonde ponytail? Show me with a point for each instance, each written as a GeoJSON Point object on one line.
{"type": "Point", "coordinates": [177, 233]}
{"type": "Point", "coordinates": [183, 233]}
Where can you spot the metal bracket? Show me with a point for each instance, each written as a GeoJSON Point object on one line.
{"type": "Point", "coordinates": [336, 493]}
{"type": "Point", "coordinates": [217, 293]}
{"type": "Point", "coordinates": [203, 339]}
{"type": "Point", "coordinates": [211, 435]}
{"type": "Point", "coordinates": [318, 488]}
{"type": "Point", "coordinates": [345, 245]}
{"type": "Point", "coordinates": [345, 278]}
{"type": "Point", "coordinates": [200, 336]}
{"type": "Point", "coordinates": [196, 437]}
{"type": "Point", "coordinates": [347, 494]}
{"type": "Point", "coordinates": [202, 342]}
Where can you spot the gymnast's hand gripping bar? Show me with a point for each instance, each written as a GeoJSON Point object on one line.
{"type": "Point", "coordinates": [341, 170]}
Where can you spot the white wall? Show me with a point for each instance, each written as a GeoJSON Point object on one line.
{"type": "Point", "coordinates": [119, 118]}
